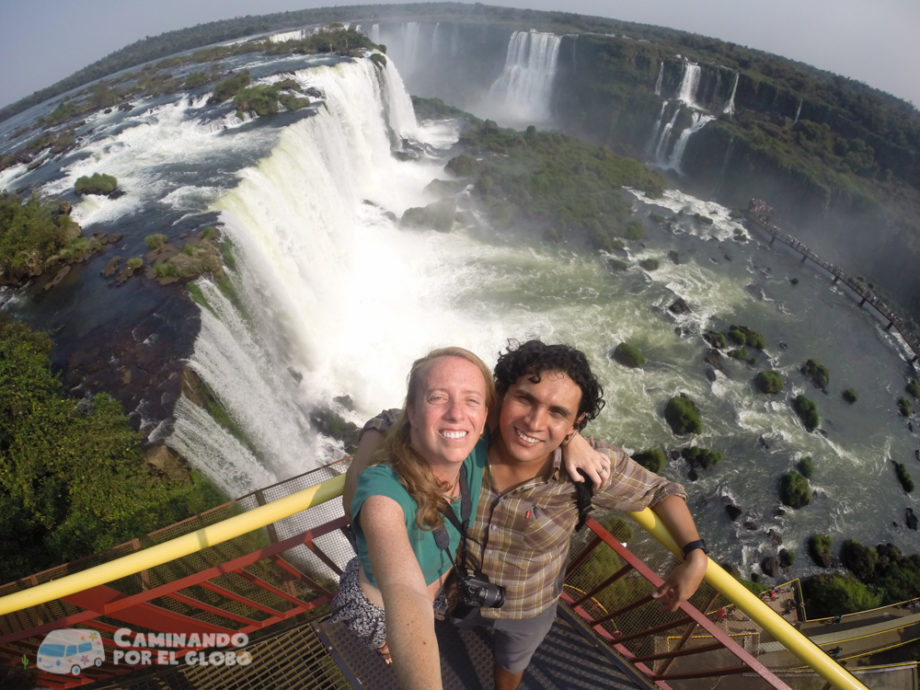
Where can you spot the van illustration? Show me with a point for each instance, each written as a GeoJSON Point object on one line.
{"type": "Point", "coordinates": [70, 650]}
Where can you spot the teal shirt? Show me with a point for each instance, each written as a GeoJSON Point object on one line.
{"type": "Point", "coordinates": [381, 480]}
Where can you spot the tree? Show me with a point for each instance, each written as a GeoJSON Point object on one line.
{"type": "Point", "coordinates": [71, 477]}
{"type": "Point", "coordinates": [830, 595]}
{"type": "Point", "coordinates": [859, 559]}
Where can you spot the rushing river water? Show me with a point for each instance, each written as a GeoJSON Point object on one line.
{"type": "Point", "coordinates": [339, 299]}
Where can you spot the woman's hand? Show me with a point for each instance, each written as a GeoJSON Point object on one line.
{"type": "Point", "coordinates": [578, 454]}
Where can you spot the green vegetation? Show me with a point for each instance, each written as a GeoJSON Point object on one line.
{"type": "Point", "coordinates": [907, 482]}
{"type": "Point", "coordinates": [794, 490]}
{"type": "Point", "coordinates": [701, 457]}
{"type": "Point", "coordinates": [71, 480]}
{"type": "Point", "coordinates": [264, 99]}
{"type": "Point", "coordinates": [35, 235]}
{"type": "Point", "coordinates": [653, 459]}
{"type": "Point", "coordinates": [230, 86]}
{"type": "Point", "coordinates": [829, 595]}
{"type": "Point", "coordinates": [742, 335]}
{"type": "Point", "coordinates": [716, 339]}
{"type": "Point", "coordinates": [741, 354]}
{"type": "Point", "coordinates": [194, 80]}
{"type": "Point", "coordinates": [914, 389]}
{"type": "Point", "coordinates": [155, 241]}
{"type": "Point", "coordinates": [769, 381]}
{"type": "Point", "coordinates": [905, 408]}
{"type": "Point", "coordinates": [629, 355]}
{"type": "Point", "coordinates": [817, 373]}
{"type": "Point", "coordinates": [807, 412]}
{"type": "Point", "coordinates": [850, 395]}
{"type": "Point", "coordinates": [819, 548]}
{"type": "Point", "coordinates": [682, 415]}
{"type": "Point", "coordinates": [551, 184]}
{"type": "Point", "coordinates": [806, 466]}
{"type": "Point", "coordinates": [858, 559]}
{"type": "Point", "coordinates": [97, 183]}
{"type": "Point", "coordinates": [650, 264]}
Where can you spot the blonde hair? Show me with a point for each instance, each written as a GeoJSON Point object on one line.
{"type": "Point", "coordinates": [413, 470]}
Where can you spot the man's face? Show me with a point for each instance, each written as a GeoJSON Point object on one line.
{"type": "Point", "coordinates": [449, 411]}
{"type": "Point", "coordinates": [535, 418]}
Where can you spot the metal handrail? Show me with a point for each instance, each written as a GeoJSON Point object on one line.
{"type": "Point", "coordinates": [233, 527]}
{"type": "Point", "coordinates": [154, 556]}
{"type": "Point", "coordinates": [797, 643]}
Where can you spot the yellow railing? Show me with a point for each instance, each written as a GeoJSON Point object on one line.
{"type": "Point", "coordinates": [797, 643]}
{"type": "Point", "coordinates": [282, 508]}
{"type": "Point", "coordinates": [174, 548]}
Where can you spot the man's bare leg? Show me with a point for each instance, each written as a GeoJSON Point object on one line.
{"type": "Point", "coordinates": [505, 680]}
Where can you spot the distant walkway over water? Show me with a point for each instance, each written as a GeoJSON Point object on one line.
{"type": "Point", "coordinates": [758, 215]}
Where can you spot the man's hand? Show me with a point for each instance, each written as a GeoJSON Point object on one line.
{"type": "Point", "coordinates": [683, 581]}
{"type": "Point", "coordinates": [578, 454]}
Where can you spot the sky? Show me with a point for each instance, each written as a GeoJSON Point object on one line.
{"type": "Point", "coordinates": [872, 41]}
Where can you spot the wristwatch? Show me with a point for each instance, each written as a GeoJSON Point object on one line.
{"type": "Point", "coordinates": [690, 546]}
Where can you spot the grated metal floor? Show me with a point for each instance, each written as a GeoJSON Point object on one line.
{"type": "Point", "coordinates": [570, 658]}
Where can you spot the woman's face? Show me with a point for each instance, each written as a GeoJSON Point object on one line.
{"type": "Point", "coordinates": [449, 411]}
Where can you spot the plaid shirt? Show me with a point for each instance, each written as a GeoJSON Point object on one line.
{"type": "Point", "coordinates": [520, 539]}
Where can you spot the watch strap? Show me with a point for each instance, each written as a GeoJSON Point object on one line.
{"type": "Point", "coordinates": [690, 546]}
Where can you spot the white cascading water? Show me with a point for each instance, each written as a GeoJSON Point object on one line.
{"type": "Point", "coordinates": [729, 108]}
{"type": "Point", "coordinates": [521, 93]}
{"type": "Point", "coordinates": [668, 155]}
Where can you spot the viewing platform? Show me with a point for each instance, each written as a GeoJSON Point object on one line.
{"type": "Point", "coordinates": [758, 215]}
{"type": "Point", "coordinates": [261, 571]}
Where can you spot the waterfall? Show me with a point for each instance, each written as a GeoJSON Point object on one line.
{"type": "Point", "coordinates": [690, 82]}
{"type": "Point", "coordinates": [659, 79]}
{"type": "Point", "coordinates": [521, 93]}
{"type": "Point", "coordinates": [315, 265]}
{"type": "Point", "coordinates": [729, 108]}
{"type": "Point", "coordinates": [798, 111]}
{"type": "Point", "coordinates": [699, 121]}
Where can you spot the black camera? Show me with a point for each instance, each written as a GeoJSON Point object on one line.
{"type": "Point", "coordinates": [475, 590]}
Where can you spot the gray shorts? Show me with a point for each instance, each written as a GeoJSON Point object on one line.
{"type": "Point", "coordinates": [514, 642]}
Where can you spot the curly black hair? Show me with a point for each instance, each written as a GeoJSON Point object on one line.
{"type": "Point", "coordinates": [534, 357]}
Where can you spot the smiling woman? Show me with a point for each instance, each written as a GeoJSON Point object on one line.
{"type": "Point", "coordinates": [436, 452]}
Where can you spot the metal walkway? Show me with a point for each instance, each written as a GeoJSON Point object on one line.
{"type": "Point", "coordinates": [571, 657]}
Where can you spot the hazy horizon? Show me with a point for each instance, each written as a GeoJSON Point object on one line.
{"type": "Point", "coordinates": [871, 43]}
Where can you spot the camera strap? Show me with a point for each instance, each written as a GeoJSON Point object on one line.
{"type": "Point", "coordinates": [441, 538]}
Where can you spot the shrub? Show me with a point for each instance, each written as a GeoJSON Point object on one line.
{"type": "Point", "coordinates": [716, 339]}
{"type": "Point", "coordinates": [850, 395]}
{"type": "Point", "coordinates": [155, 241]}
{"type": "Point", "coordinates": [682, 415]}
{"type": "Point", "coordinates": [742, 335]}
{"type": "Point", "coordinates": [817, 372]}
{"type": "Point", "coordinates": [650, 264]}
{"type": "Point", "coordinates": [907, 482]}
{"type": "Point", "coordinates": [97, 183]}
{"type": "Point", "coordinates": [652, 459]}
{"type": "Point", "coordinates": [806, 411]}
{"type": "Point", "coordinates": [628, 355]}
{"type": "Point", "coordinates": [794, 490]}
{"type": "Point", "coordinates": [859, 559]}
{"type": "Point", "coordinates": [231, 85]}
{"type": "Point", "coordinates": [701, 457]}
{"type": "Point", "coordinates": [633, 230]}
{"type": "Point", "coordinates": [806, 466]}
{"type": "Point", "coordinates": [819, 548]}
{"type": "Point", "coordinates": [769, 381]}
{"type": "Point", "coordinates": [914, 389]}
{"type": "Point", "coordinates": [905, 407]}
{"type": "Point", "coordinates": [830, 595]}
{"type": "Point", "coordinates": [134, 263]}
{"type": "Point", "coordinates": [194, 80]}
